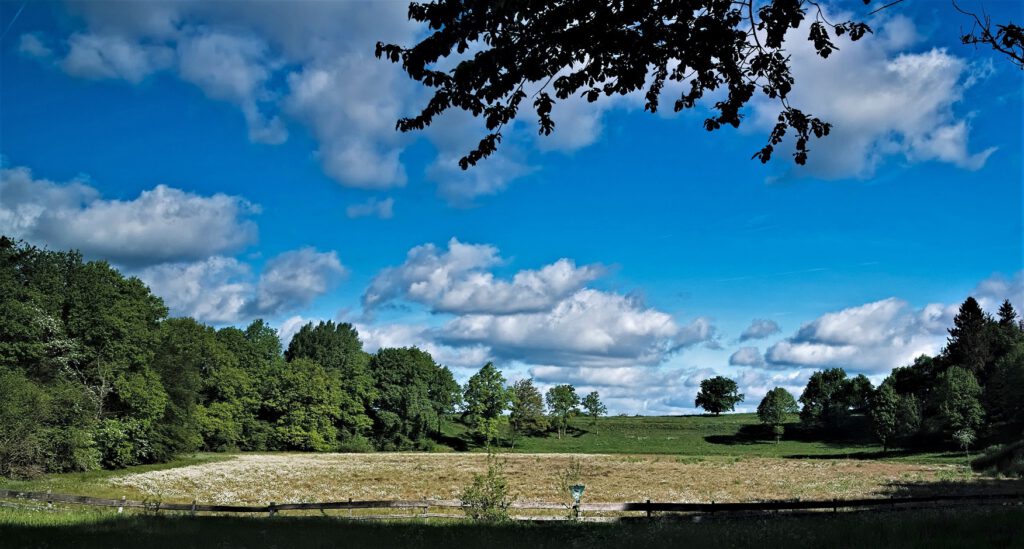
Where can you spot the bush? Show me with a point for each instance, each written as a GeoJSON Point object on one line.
{"type": "Point", "coordinates": [1006, 460]}
{"type": "Point", "coordinates": [123, 443]}
{"type": "Point", "coordinates": [488, 498]}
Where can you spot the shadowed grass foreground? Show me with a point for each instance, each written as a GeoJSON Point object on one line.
{"type": "Point", "coordinates": [985, 527]}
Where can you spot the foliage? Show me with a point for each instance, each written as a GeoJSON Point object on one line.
{"type": "Point", "coordinates": [403, 412]}
{"type": "Point", "coordinates": [488, 497]}
{"type": "Point", "coordinates": [486, 58]}
{"type": "Point", "coordinates": [486, 398]}
{"type": "Point", "coordinates": [718, 394]}
{"type": "Point", "coordinates": [593, 408]}
{"type": "Point", "coordinates": [571, 475]}
{"type": "Point", "coordinates": [775, 408]}
{"type": "Point", "coordinates": [303, 402]}
{"type": "Point", "coordinates": [563, 403]}
{"type": "Point", "coordinates": [885, 407]}
{"type": "Point", "coordinates": [970, 339]}
{"type": "Point", "coordinates": [957, 395]}
{"type": "Point", "coordinates": [827, 399]}
{"type": "Point", "coordinates": [526, 411]}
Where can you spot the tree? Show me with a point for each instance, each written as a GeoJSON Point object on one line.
{"type": "Point", "coordinates": [594, 408]}
{"type": "Point", "coordinates": [825, 400]}
{"type": "Point", "coordinates": [486, 398]}
{"type": "Point", "coordinates": [908, 417]}
{"type": "Point", "coordinates": [445, 394]}
{"type": "Point", "coordinates": [884, 412]}
{"type": "Point", "coordinates": [608, 48]}
{"type": "Point", "coordinates": [1007, 40]}
{"type": "Point", "coordinates": [970, 339]}
{"type": "Point", "coordinates": [859, 393]}
{"type": "Point", "coordinates": [337, 348]}
{"type": "Point", "coordinates": [563, 403]}
{"type": "Point", "coordinates": [1005, 392]}
{"type": "Point", "coordinates": [957, 397]}
{"type": "Point", "coordinates": [718, 394]}
{"type": "Point", "coordinates": [403, 412]}
{"type": "Point", "coordinates": [776, 406]}
{"type": "Point", "coordinates": [303, 404]}
{"type": "Point", "coordinates": [526, 412]}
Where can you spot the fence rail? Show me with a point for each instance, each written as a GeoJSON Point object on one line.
{"type": "Point", "coordinates": [423, 506]}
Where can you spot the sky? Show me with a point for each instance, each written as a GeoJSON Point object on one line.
{"type": "Point", "coordinates": [242, 160]}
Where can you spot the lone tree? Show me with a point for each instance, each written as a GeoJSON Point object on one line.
{"type": "Point", "coordinates": [718, 394]}
{"type": "Point", "coordinates": [562, 402]}
{"type": "Point", "coordinates": [775, 407]}
{"type": "Point", "coordinates": [526, 413]}
{"type": "Point", "coordinates": [594, 408]}
{"type": "Point", "coordinates": [486, 398]}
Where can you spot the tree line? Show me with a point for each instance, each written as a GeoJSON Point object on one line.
{"type": "Point", "coordinates": [93, 374]}
{"type": "Point", "coordinates": [972, 391]}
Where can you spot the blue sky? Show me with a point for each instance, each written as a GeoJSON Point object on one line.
{"type": "Point", "coordinates": [244, 163]}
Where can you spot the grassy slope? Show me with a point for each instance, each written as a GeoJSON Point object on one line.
{"type": "Point", "coordinates": [728, 435]}
{"type": "Point", "coordinates": [985, 527]}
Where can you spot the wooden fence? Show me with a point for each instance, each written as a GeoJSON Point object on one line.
{"type": "Point", "coordinates": [421, 508]}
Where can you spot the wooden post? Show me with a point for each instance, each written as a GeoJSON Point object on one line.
{"type": "Point", "coordinates": [49, 499]}
{"type": "Point", "coordinates": [350, 508]}
{"type": "Point", "coordinates": [835, 507]}
{"type": "Point", "coordinates": [120, 508]}
{"type": "Point", "coordinates": [193, 511]}
{"type": "Point", "coordinates": [271, 509]}
{"type": "Point", "coordinates": [648, 508]}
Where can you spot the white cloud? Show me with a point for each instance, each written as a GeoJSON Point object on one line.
{"type": "Point", "coordinates": [236, 69]}
{"type": "Point", "coordinates": [590, 328]}
{"type": "Point", "coordinates": [289, 327]}
{"type": "Point", "coordinates": [883, 101]}
{"type": "Point", "coordinates": [114, 57]}
{"type": "Point", "coordinates": [32, 45]}
{"type": "Point", "coordinates": [760, 328]}
{"type": "Point", "coordinates": [470, 357]}
{"type": "Point", "coordinates": [223, 290]}
{"type": "Point", "coordinates": [383, 209]}
{"type": "Point", "coordinates": [457, 281]}
{"type": "Point", "coordinates": [991, 292]}
{"type": "Point", "coordinates": [162, 224]}
{"type": "Point", "coordinates": [870, 338]}
{"type": "Point", "coordinates": [293, 279]}
{"type": "Point", "coordinates": [747, 356]}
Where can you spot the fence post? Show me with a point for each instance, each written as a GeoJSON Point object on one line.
{"type": "Point", "coordinates": [835, 506]}
{"type": "Point", "coordinates": [271, 509]}
{"type": "Point", "coordinates": [193, 511]}
{"type": "Point", "coordinates": [49, 499]}
{"type": "Point", "coordinates": [712, 507]}
{"type": "Point", "coordinates": [349, 507]}
{"type": "Point", "coordinates": [120, 508]}
{"type": "Point", "coordinates": [648, 508]}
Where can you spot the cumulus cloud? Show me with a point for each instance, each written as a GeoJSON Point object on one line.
{"type": "Point", "coordinates": [466, 357]}
{"type": "Point", "coordinates": [991, 292]}
{"type": "Point", "coordinates": [100, 56]}
{"type": "Point", "coordinates": [882, 100]}
{"type": "Point", "coordinates": [160, 225]}
{"type": "Point", "coordinates": [32, 44]}
{"type": "Point", "coordinates": [869, 338]}
{"type": "Point", "coordinates": [760, 328]}
{"type": "Point", "coordinates": [746, 356]}
{"type": "Point", "coordinates": [457, 280]}
{"type": "Point", "coordinates": [383, 209]}
{"type": "Point", "coordinates": [590, 327]}
{"type": "Point", "coordinates": [223, 290]}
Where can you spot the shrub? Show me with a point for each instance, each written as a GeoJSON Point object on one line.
{"type": "Point", "coordinates": [488, 498]}
{"type": "Point", "coordinates": [123, 443]}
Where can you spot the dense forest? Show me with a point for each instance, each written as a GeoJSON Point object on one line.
{"type": "Point", "coordinates": [94, 374]}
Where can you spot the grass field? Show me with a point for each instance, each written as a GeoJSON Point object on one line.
{"type": "Point", "coordinates": [727, 435]}
{"type": "Point", "coordinates": [932, 529]}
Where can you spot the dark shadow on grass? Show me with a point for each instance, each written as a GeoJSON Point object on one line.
{"type": "Point", "coordinates": [457, 443]}
{"type": "Point", "coordinates": [971, 487]}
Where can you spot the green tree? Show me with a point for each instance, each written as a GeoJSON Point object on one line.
{"type": "Point", "coordinates": [859, 392]}
{"type": "Point", "coordinates": [775, 408]}
{"type": "Point", "coordinates": [958, 401]}
{"type": "Point", "coordinates": [403, 412]}
{"type": "Point", "coordinates": [337, 348]}
{"type": "Point", "coordinates": [718, 394]}
{"type": "Point", "coordinates": [1005, 391]}
{"type": "Point", "coordinates": [526, 411]}
{"type": "Point", "coordinates": [594, 408]}
{"type": "Point", "coordinates": [563, 403]}
{"type": "Point", "coordinates": [908, 417]}
{"type": "Point", "coordinates": [486, 398]}
{"type": "Point", "coordinates": [445, 394]}
{"type": "Point", "coordinates": [884, 413]}
{"type": "Point", "coordinates": [970, 339]}
{"type": "Point", "coordinates": [825, 400]}
{"type": "Point", "coordinates": [303, 403]}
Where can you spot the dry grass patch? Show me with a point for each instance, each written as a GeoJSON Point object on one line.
{"type": "Point", "coordinates": [261, 478]}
